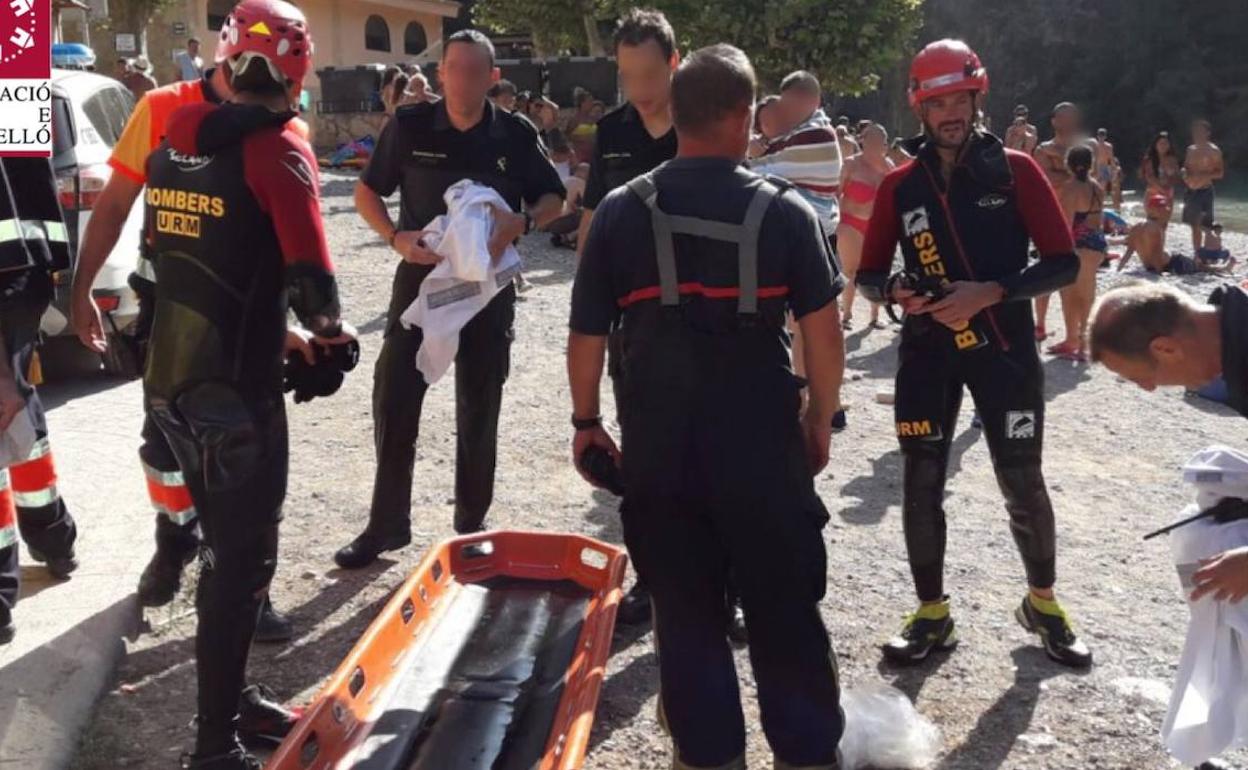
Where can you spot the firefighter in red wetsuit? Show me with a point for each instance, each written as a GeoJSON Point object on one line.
{"type": "Point", "coordinates": [963, 213]}
{"type": "Point", "coordinates": [234, 229]}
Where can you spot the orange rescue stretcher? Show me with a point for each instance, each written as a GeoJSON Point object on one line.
{"type": "Point", "coordinates": [490, 656]}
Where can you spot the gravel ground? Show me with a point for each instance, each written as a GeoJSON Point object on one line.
{"type": "Point", "coordinates": [1112, 466]}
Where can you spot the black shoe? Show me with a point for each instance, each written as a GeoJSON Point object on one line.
{"type": "Point", "coordinates": [236, 758]}
{"type": "Point", "coordinates": [635, 606]}
{"type": "Point", "coordinates": [261, 719]}
{"type": "Point", "coordinates": [930, 628]}
{"type": "Point", "coordinates": [7, 631]}
{"type": "Point", "coordinates": [737, 632]}
{"type": "Point", "coordinates": [162, 577]}
{"type": "Point", "coordinates": [59, 567]}
{"type": "Point", "coordinates": [839, 420]}
{"type": "Point", "coordinates": [365, 549]}
{"type": "Point", "coordinates": [1060, 642]}
{"type": "Point", "coordinates": [1214, 764]}
{"type": "Point", "coordinates": [272, 627]}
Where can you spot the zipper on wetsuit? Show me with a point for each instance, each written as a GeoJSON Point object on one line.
{"type": "Point", "coordinates": [957, 243]}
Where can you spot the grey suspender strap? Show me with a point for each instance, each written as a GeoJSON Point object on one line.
{"type": "Point", "coordinates": [745, 235]}
{"type": "Point", "coordinates": [669, 287]}
{"type": "Point", "coordinates": [747, 262]}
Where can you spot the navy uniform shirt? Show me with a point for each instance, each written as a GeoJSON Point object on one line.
{"type": "Point", "coordinates": [421, 154]}
{"type": "Point", "coordinates": [623, 150]}
{"type": "Point", "coordinates": [618, 268]}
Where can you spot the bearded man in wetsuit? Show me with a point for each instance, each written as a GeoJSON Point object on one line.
{"type": "Point", "coordinates": [964, 213]}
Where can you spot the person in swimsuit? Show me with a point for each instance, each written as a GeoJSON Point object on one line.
{"type": "Point", "coordinates": [1148, 239]}
{"type": "Point", "coordinates": [1022, 135]}
{"type": "Point", "coordinates": [1067, 125]}
{"type": "Point", "coordinates": [860, 176]}
{"type": "Point", "coordinates": [1104, 159]}
{"type": "Point", "coordinates": [1212, 250]}
{"type": "Point", "coordinates": [1202, 166]}
{"type": "Point", "coordinates": [1082, 200]}
{"type": "Point", "coordinates": [1159, 168]}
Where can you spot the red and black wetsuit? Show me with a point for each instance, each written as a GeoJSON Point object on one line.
{"type": "Point", "coordinates": [974, 227]}
{"type": "Point", "coordinates": [234, 228]}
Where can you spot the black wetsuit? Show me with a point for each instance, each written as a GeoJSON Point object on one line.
{"type": "Point", "coordinates": [234, 229]}
{"type": "Point", "coordinates": [975, 227]}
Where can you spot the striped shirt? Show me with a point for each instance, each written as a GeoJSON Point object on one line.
{"type": "Point", "coordinates": [809, 156]}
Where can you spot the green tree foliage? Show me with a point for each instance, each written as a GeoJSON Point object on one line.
{"type": "Point", "coordinates": [557, 26]}
{"type": "Point", "coordinates": [846, 43]}
{"type": "Point", "coordinates": [1134, 67]}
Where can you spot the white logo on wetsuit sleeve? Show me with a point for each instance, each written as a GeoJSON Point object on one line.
{"type": "Point", "coordinates": [1020, 425]}
{"type": "Point", "coordinates": [992, 201]}
{"type": "Point", "coordinates": [297, 165]}
{"type": "Point", "coordinates": [916, 221]}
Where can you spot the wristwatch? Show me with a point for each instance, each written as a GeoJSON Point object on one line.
{"type": "Point", "coordinates": [586, 423]}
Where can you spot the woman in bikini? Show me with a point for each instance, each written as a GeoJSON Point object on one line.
{"type": "Point", "coordinates": [860, 176]}
{"type": "Point", "coordinates": [1161, 171]}
{"type": "Point", "coordinates": [1082, 200]}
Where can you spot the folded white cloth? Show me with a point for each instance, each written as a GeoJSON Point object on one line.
{"type": "Point", "coordinates": [465, 281]}
{"type": "Point", "coordinates": [1209, 704]}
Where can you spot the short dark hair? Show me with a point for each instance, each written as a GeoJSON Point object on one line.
{"type": "Point", "coordinates": [389, 75]}
{"type": "Point", "coordinates": [470, 37]}
{"type": "Point", "coordinates": [1138, 314]}
{"type": "Point", "coordinates": [642, 24]}
{"type": "Point", "coordinates": [710, 84]}
{"type": "Point", "coordinates": [194, 40]}
{"type": "Point", "coordinates": [842, 120]}
{"type": "Point", "coordinates": [1021, 110]}
{"type": "Point", "coordinates": [802, 82]}
{"type": "Point", "coordinates": [503, 86]}
{"type": "Point", "coordinates": [1063, 106]}
{"type": "Point", "coordinates": [1101, 131]}
{"type": "Point", "coordinates": [1215, 226]}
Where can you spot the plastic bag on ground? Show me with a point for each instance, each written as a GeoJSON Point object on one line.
{"type": "Point", "coordinates": [884, 730]}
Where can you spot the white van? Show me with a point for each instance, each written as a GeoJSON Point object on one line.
{"type": "Point", "coordinates": [89, 112]}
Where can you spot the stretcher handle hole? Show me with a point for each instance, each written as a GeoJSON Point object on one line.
{"type": "Point", "coordinates": [436, 571]}
{"type": "Point", "coordinates": [309, 751]}
{"type": "Point", "coordinates": [357, 682]}
{"type": "Point", "coordinates": [478, 550]}
{"type": "Point", "coordinates": [594, 559]}
{"type": "Point", "coordinates": [408, 610]}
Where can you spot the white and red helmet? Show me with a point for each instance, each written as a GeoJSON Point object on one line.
{"type": "Point", "coordinates": [272, 30]}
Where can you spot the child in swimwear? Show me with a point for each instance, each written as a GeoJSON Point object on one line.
{"type": "Point", "coordinates": [1211, 251]}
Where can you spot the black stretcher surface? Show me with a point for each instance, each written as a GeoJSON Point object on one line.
{"type": "Point", "coordinates": [481, 690]}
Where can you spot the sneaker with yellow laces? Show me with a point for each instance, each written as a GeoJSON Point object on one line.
{"type": "Point", "coordinates": [1047, 618]}
{"type": "Point", "coordinates": [927, 629]}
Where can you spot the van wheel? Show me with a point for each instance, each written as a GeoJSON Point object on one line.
{"type": "Point", "coordinates": [121, 359]}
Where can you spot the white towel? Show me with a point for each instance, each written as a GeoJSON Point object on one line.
{"type": "Point", "coordinates": [465, 281]}
{"type": "Point", "coordinates": [1209, 705]}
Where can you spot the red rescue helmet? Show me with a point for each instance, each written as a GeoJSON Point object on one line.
{"type": "Point", "coordinates": [1157, 201]}
{"type": "Point", "coordinates": [946, 67]}
{"type": "Point", "coordinates": [273, 30]}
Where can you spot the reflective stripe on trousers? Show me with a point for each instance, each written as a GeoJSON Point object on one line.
{"type": "Point", "coordinates": [169, 495]}
{"type": "Point", "coordinates": [34, 481]}
{"type": "Point", "coordinates": [16, 229]}
{"type": "Point", "coordinates": [8, 512]}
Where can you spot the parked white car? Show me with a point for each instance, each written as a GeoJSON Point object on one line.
{"type": "Point", "coordinates": [89, 112]}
